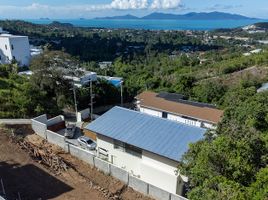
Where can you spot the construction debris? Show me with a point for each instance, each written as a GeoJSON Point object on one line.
{"type": "Point", "coordinates": [44, 156]}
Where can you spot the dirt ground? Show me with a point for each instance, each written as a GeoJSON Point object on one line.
{"type": "Point", "coordinates": [24, 176]}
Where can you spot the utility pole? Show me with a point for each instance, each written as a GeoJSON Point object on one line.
{"type": "Point", "coordinates": [75, 102]}
{"type": "Point", "coordinates": [91, 99]}
{"type": "Point", "coordinates": [121, 88]}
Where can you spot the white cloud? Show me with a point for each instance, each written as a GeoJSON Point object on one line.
{"type": "Point", "coordinates": [42, 10]}
{"type": "Point", "coordinates": [129, 4]}
{"type": "Point", "coordinates": [166, 4]}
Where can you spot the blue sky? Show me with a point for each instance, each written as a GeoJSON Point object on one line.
{"type": "Point", "coordinates": [60, 9]}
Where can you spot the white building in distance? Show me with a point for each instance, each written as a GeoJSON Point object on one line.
{"type": "Point", "coordinates": [14, 48]}
{"type": "Point", "coordinates": [83, 79]}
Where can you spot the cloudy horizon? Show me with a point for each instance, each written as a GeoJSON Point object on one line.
{"type": "Point", "coordinates": [26, 9]}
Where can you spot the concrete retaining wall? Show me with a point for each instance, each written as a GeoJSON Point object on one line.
{"type": "Point", "coordinates": [120, 174]}
{"type": "Point", "coordinates": [138, 185]}
{"type": "Point", "coordinates": [55, 138]}
{"type": "Point", "coordinates": [40, 124]}
{"type": "Point", "coordinates": [39, 128]}
{"type": "Point", "coordinates": [82, 154]}
{"type": "Point", "coordinates": [102, 165]}
{"type": "Point", "coordinates": [41, 118]}
{"type": "Point", "coordinates": [158, 193]}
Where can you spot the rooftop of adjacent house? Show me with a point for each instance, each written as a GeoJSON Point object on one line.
{"type": "Point", "coordinates": [157, 135]}
{"type": "Point", "coordinates": [175, 104]}
{"type": "Point", "coordinates": [116, 81]}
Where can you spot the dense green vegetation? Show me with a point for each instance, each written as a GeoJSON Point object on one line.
{"type": "Point", "coordinates": [47, 91]}
{"type": "Point", "coordinates": [231, 162]}
{"type": "Point", "coordinates": [20, 98]}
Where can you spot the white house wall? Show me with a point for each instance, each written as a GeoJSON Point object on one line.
{"type": "Point", "coordinates": [176, 118]}
{"type": "Point", "coordinates": [151, 112]}
{"type": "Point", "coordinates": [160, 172]}
{"type": "Point", "coordinates": [121, 159]}
{"type": "Point", "coordinates": [6, 55]}
{"type": "Point", "coordinates": [21, 50]}
{"type": "Point", "coordinates": [183, 120]}
{"type": "Point", "coordinates": [151, 168]}
{"type": "Point", "coordinates": [209, 126]}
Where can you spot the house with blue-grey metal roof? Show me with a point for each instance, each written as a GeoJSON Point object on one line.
{"type": "Point", "coordinates": [148, 147]}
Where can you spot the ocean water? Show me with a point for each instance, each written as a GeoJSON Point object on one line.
{"type": "Point", "coordinates": [153, 24]}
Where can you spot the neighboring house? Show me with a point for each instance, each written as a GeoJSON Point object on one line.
{"type": "Point", "coordinates": [116, 81]}
{"type": "Point", "coordinates": [105, 64]}
{"type": "Point", "coordinates": [263, 41]}
{"type": "Point", "coordinates": [35, 51]}
{"type": "Point", "coordinates": [255, 51]}
{"type": "Point", "coordinates": [174, 107]}
{"type": "Point", "coordinates": [263, 88]}
{"type": "Point", "coordinates": [14, 47]}
{"type": "Point", "coordinates": [26, 73]}
{"type": "Point", "coordinates": [83, 79]}
{"type": "Point", "coordinates": [148, 147]}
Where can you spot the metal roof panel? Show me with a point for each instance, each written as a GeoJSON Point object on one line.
{"type": "Point", "coordinates": [157, 135]}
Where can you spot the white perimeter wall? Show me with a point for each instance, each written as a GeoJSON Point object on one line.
{"type": "Point", "coordinates": [55, 120]}
{"type": "Point", "coordinates": [83, 114]}
{"type": "Point", "coordinates": [151, 168]}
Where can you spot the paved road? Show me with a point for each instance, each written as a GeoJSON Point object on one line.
{"type": "Point", "coordinates": [15, 121]}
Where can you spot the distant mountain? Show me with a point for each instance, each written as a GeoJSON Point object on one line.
{"type": "Point", "coordinates": [197, 16]}
{"type": "Point", "coordinates": [188, 16]}
{"type": "Point", "coordinates": [120, 17]}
